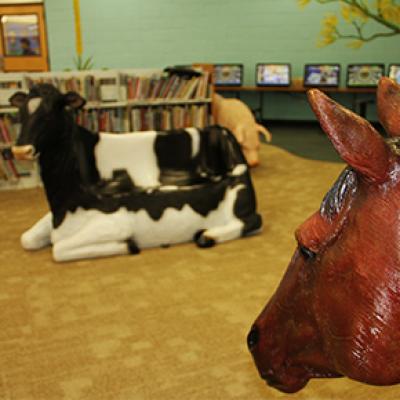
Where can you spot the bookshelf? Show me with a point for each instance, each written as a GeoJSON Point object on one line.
{"type": "Point", "coordinates": [13, 174]}
{"type": "Point", "coordinates": [118, 101]}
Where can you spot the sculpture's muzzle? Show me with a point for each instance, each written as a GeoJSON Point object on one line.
{"type": "Point", "coordinates": [26, 152]}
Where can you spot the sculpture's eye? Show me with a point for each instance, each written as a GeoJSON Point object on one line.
{"type": "Point", "coordinates": [306, 252]}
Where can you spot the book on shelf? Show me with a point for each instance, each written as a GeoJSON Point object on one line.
{"type": "Point", "coordinates": [9, 129]}
{"type": "Point", "coordinates": [8, 86]}
{"type": "Point", "coordinates": [108, 89]}
{"type": "Point", "coordinates": [8, 164]}
{"type": "Point", "coordinates": [98, 120]}
{"type": "Point", "coordinates": [140, 88]}
{"type": "Point", "coordinates": [12, 169]}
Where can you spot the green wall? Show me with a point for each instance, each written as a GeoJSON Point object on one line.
{"type": "Point", "coordinates": [157, 33]}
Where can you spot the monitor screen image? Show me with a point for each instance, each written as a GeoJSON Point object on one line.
{"type": "Point", "coordinates": [394, 72]}
{"type": "Point", "coordinates": [322, 75]}
{"type": "Point", "coordinates": [364, 75]}
{"type": "Point", "coordinates": [273, 74]}
{"type": "Point", "coordinates": [228, 74]}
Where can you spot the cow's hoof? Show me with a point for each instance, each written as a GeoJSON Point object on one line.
{"type": "Point", "coordinates": [132, 247]}
{"type": "Point", "coordinates": [202, 240]}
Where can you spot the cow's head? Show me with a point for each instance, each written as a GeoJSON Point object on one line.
{"type": "Point", "coordinates": [337, 309]}
{"type": "Point", "coordinates": [44, 118]}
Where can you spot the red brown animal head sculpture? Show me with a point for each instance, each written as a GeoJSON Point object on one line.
{"type": "Point", "coordinates": [337, 309]}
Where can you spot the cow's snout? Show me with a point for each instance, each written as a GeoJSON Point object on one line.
{"type": "Point", "coordinates": [26, 152]}
{"type": "Point", "coordinates": [253, 337]}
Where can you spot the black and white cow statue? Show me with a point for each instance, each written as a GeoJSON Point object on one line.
{"type": "Point", "coordinates": [115, 194]}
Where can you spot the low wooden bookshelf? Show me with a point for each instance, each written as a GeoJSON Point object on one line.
{"type": "Point", "coordinates": [118, 101]}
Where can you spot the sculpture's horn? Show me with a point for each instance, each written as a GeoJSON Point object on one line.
{"type": "Point", "coordinates": [354, 138]}
{"type": "Point", "coordinates": [388, 105]}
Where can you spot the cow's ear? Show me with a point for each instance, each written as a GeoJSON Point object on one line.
{"type": "Point", "coordinates": [74, 100]}
{"type": "Point", "coordinates": [18, 99]}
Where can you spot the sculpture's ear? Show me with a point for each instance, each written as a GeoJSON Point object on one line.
{"type": "Point", "coordinates": [388, 104]}
{"type": "Point", "coordinates": [18, 99]}
{"type": "Point", "coordinates": [354, 138]}
{"type": "Point", "coordinates": [74, 100]}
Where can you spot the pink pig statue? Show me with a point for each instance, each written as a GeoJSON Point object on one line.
{"type": "Point", "coordinates": [238, 118]}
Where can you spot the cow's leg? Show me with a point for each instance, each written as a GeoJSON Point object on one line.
{"type": "Point", "coordinates": [39, 235]}
{"type": "Point", "coordinates": [252, 224]}
{"type": "Point", "coordinates": [209, 237]}
{"type": "Point", "coordinates": [65, 252]}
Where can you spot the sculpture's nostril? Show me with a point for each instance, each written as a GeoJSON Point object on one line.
{"type": "Point", "coordinates": [252, 338]}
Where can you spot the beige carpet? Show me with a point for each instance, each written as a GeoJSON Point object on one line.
{"type": "Point", "coordinates": [166, 324]}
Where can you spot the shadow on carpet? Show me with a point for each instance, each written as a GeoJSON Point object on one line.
{"type": "Point", "coordinates": [303, 139]}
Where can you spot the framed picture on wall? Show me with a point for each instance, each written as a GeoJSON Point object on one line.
{"type": "Point", "coordinates": [364, 75]}
{"type": "Point", "coordinates": [20, 35]}
{"type": "Point", "coordinates": [394, 72]}
{"type": "Point", "coordinates": [273, 74]}
{"type": "Point", "coordinates": [228, 74]}
{"type": "Point", "coordinates": [321, 75]}
{"type": "Point", "coordinates": [23, 41]}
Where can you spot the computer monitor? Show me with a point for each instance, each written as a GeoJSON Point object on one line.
{"type": "Point", "coordinates": [394, 72]}
{"type": "Point", "coordinates": [228, 74]}
{"type": "Point", "coordinates": [277, 74]}
{"type": "Point", "coordinates": [321, 75]}
{"type": "Point", "coordinates": [364, 75]}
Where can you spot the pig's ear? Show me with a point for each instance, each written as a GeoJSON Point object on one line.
{"type": "Point", "coordinates": [265, 132]}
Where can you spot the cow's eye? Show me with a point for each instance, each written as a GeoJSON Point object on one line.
{"type": "Point", "coordinates": [306, 252]}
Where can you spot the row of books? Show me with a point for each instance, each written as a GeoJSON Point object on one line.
{"type": "Point", "coordinates": [165, 87]}
{"type": "Point", "coordinates": [174, 117]}
{"type": "Point", "coordinates": [144, 118]}
{"type": "Point", "coordinates": [113, 85]}
{"type": "Point", "coordinates": [10, 169]}
{"type": "Point", "coordinates": [8, 165]}
{"type": "Point", "coordinates": [86, 86]}
{"type": "Point", "coordinates": [106, 120]}
{"type": "Point", "coordinates": [9, 128]}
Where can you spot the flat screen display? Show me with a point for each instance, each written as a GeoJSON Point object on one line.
{"type": "Point", "coordinates": [273, 74]}
{"type": "Point", "coordinates": [322, 75]}
{"type": "Point", "coordinates": [364, 75]}
{"type": "Point", "coordinates": [228, 74]}
{"type": "Point", "coordinates": [394, 72]}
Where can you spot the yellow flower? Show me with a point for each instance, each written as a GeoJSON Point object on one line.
{"type": "Point", "coordinates": [303, 3]}
{"type": "Point", "coordinates": [391, 13]}
{"type": "Point", "coordinates": [384, 3]}
{"type": "Point", "coordinates": [330, 20]}
{"type": "Point", "coordinates": [325, 41]}
{"type": "Point", "coordinates": [346, 13]}
{"type": "Point", "coordinates": [355, 44]}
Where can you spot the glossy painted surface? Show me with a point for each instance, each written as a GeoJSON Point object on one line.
{"type": "Point", "coordinates": [116, 194]}
{"type": "Point", "coordinates": [336, 311]}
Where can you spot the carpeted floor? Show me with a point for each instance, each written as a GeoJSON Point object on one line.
{"type": "Point", "coordinates": [305, 139]}
{"type": "Point", "coordinates": [168, 324]}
